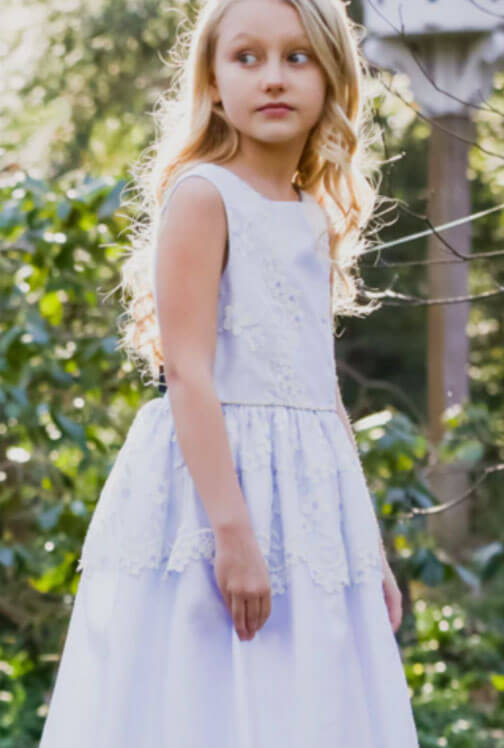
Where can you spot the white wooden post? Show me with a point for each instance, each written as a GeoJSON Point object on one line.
{"type": "Point", "coordinates": [458, 45]}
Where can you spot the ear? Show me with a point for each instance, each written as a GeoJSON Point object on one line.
{"type": "Point", "coordinates": [214, 90]}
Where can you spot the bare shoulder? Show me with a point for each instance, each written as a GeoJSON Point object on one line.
{"type": "Point", "coordinates": [193, 221]}
{"type": "Point", "coordinates": [189, 254]}
{"type": "Point", "coordinates": [195, 197]}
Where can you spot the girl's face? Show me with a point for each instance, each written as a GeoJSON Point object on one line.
{"type": "Point", "coordinates": [263, 56]}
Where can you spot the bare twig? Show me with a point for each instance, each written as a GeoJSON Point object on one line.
{"type": "Point", "coordinates": [435, 230]}
{"type": "Point", "coordinates": [486, 10]}
{"type": "Point", "coordinates": [434, 122]}
{"type": "Point", "coordinates": [411, 45]}
{"type": "Point", "coordinates": [446, 505]}
{"type": "Point", "coordinates": [419, 301]}
{"type": "Point", "coordinates": [385, 265]}
{"type": "Point", "coordinates": [378, 384]}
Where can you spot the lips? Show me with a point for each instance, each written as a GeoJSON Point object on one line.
{"type": "Point", "coordinates": [275, 106]}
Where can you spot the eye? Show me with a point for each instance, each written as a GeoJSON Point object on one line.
{"type": "Point", "coordinates": [243, 54]}
{"type": "Point", "coordinates": [300, 53]}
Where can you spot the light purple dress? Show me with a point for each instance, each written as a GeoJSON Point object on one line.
{"type": "Point", "coordinates": [151, 658]}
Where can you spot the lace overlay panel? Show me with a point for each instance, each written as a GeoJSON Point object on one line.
{"type": "Point", "coordinates": [306, 494]}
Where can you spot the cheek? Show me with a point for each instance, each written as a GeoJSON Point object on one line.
{"type": "Point", "coordinates": [316, 92]}
{"type": "Point", "coordinates": [317, 86]}
{"type": "Point", "coordinates": [235, 89]}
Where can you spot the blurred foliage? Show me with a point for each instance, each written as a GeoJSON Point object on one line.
{"type": "Point", "coordinates": [74, 115]}
{"type": "Point", "coordinates": [79, 94]}
{"type": "Point", "coordinates": [455, 669]}
{"type": "Point", "coordinates": [66, 400]}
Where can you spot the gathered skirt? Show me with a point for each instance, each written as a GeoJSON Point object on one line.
{"type": "Point", "coordinates": [151, 656]}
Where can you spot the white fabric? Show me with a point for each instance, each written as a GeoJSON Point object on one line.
{"type": "Point", "coordinates": [152, 658]}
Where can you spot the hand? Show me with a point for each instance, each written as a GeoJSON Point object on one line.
{"type": "Point", "coordinates": [243, 579]}
{"type": "Point", "coordinates": [392, 594]}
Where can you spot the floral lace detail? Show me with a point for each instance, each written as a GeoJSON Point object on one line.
{"type": "Point", "coordinates": [319, 462]}
{"type": "Point", "coordinates": [286, 320]}
{"type": "Point", "coordinates": [280, 557]}
{"type": "Point", "coordinates": [128, 529]}
{"type": "Point", "coordinates": [287, 384]}
{"type": "Point", "coordinates": [241, 232]}
{"type": "Point", "coordinates": [332, 574]}
{"type": "Point", "coordinates": [285, 296]}
{"type": "Point", "coordinates": [237, 321]}
{"type": "Point", "coordinates": [263, 307]}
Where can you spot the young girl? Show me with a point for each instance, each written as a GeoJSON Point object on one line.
{"type": "Point", "coordinates": [234, 591]}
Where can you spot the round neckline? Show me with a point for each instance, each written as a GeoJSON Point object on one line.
{"type": "Point", "coordinates": [302, 193]}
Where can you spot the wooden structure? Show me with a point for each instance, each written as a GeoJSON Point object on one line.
{"type": "Point", "coordinates": [450, 50]}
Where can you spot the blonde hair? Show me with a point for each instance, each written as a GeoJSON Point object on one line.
{"type": "Point", "coordinates": [337, 165]}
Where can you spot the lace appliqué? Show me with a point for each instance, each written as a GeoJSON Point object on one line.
{"type": "Point", "coordinates": [237, 321]}
{"type": "Point", "coordinates": [279, 317]}
{"type": "Point", "coordinates": [127, 530]}
{"type": "Point", "coordinates": [332, 574]}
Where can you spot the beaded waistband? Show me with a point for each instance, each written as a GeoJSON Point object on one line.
{"type": "Point", "coordinates": [301, 406]}
{"type": "Point", "coordinates": [250, 404]}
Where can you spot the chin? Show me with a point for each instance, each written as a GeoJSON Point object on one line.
{"type": "Point", "coordinates": [273, 136]}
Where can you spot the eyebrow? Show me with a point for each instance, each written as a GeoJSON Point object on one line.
{"type": "Point", "coordinates": [296, 38]}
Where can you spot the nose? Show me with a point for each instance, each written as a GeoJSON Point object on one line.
{"type": "Point", "coordinates": [274, 73]}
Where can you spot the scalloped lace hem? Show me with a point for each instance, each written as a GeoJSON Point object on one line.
{"type": "Point", "coordinates": [200, 546]}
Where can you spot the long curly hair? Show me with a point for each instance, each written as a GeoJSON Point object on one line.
{"type": "Point", "coordinates": [339, 165]}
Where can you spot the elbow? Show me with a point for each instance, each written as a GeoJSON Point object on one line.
{"type": "Point", "coordinates": [192, 374]}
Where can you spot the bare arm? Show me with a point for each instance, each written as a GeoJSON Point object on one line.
{"type": "Point", "coordinates": [189, 259]}
{"type": "Point", "coordinates": [188, 264]}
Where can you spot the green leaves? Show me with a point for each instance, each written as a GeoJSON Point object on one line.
{"type": "Point", "coordinates": [427, 567]}
{"type": "Point", "coordinates": [51, 307]}
{"type": "Point", "coordinates": [71, 429]}
{"type": "Point", "coordinates": [489, 559]}
{"type": "Point", "coordinates": [61, 419]}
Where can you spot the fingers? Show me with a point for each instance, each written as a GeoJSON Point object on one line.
{"type": "Point", "coordinates": [249, 613]}
{"type": "Point", "coordinates": [252, 612]}
{"type": "Point", "coordinates": [238, 615]}
{"type": "Point", "coordinates": [393, 600]}
{"type": "Point", "coordinates": [398, 614]}
{"type": "Point", "coordinates": [265, 609]}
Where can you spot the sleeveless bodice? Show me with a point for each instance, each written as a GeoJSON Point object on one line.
{"type": "Point", "coordinates": [274, 329]}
